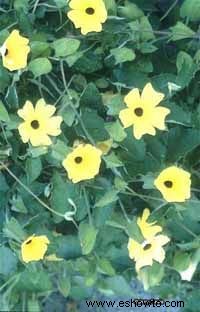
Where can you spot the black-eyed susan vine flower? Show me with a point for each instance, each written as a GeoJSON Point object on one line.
{"type": "Point", "coordinates": [142, 112]}
{"type": "Point", "coordinates": [83, 162]}
{"type": "Point", "coordinates": [39, 123]}
{"type": "Point", "coordinates": [15, 51]}
{"type": "Point", "coordinates": [152, 247]}
{"type": "Point", "coordinates": [34, 248]}
{"type": "Point", "coordinates": [87, 15]}
{"type": "Point", "coordinates": [174, 183]}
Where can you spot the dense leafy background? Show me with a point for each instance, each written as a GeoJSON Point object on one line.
{"type": "Point", "coordinates": [86, 77]}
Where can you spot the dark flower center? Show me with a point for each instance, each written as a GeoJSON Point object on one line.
{"type": "Point", "coordinates": [147, 246]}
{"type": "Point", "coordinates": [90, 11]}
{"type": "Point", "coordinates": [138, 111]}
{"type": "Point", "coordinates": [29, 241]}
{"type": "Point", "coordinates": [35, 124]}
{"type": "Point", "coordinates": [78, 159]}
{"type": "Point", "coordinates": [168, 184]}
{"type": "Point", "coordinates": [6, 52]}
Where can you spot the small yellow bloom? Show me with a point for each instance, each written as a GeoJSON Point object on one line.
{"type": "Point", "coordinates": [142, 112]}
{"type": "Point", "coordinates": [87, 15]}
{"type": "Point", "coordinates": [34, 248]}
{"type": "Point", "coordinates": [83, 163]}
{"type": "Point", "coordinates": [15, 51]}
{"type": "Point", "coordinates": [174, 183]}
{"type": "Point", "coordinates": [38, 123]}
{"type": "Point", "coordinates": [151, 248]}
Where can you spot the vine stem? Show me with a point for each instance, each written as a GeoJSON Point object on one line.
{"type": "Point", "coordinates": [29, 191]}
{"type": "Point", "coordinates": [143, 197]}
{"type": "Point", "coordinates": [88, 206]}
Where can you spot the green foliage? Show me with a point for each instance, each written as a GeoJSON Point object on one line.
{"type": "Point", "coordinates": [89, 223]}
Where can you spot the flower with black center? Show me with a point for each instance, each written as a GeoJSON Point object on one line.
{"type": "Point", "coordinates": [39, 123]}
{"type": "Point", "coordinates": [87, 15]}
{"type": "Point", "coordinates": [34, 248]}
{"type": "Point", "coordinates": [83, 163]}
{"type": "Point", "coordinates": [152, 247]}
{"type": "Point", "coordinates": [174, 183]}
{"type": "Point", "coordinates": [15, 51]}
{"type": "Point", "coordinates": [142, 111]}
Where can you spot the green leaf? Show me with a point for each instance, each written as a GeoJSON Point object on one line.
{"type": "Point", "coordinates": [191, 10]}
{"type": "Point", "coordinates": [18, 204]}
{"type": "Point", "coordinates": [13, 230]}
{"type": "Point", "coordinates": [112, 161]}
{"type": "Point", "coordinates": [181, 261]}
{"type": "Point", "coordinates": [4, 78]}
{"type": "Point", "coordinates": [122, 55]}
{"type": "Point", "coordinates": [64, 285]}
{"type": "Point", "coordinates": [118, 286]}
{"type": "Point", "coordinates": [134, 231]}
{"type": "Point", "coordinates": [8, 261]}
{"type": "Point", "coordinates": [60, 150]}
{"type": "Point", "coordinates": [151, 276]}
{"type": "Point", "coordinates": [34, 279]}
{"type": "Point", "coordinates": [115, 104]}
{"type": "Point", "coordinates": [87, 236]}
{"type": "Point", "coordinates": [21, 5]}
{"type": "Point", "coordinates": [116, 131]}
{"type": "Point", "coordinates": [111, 6]}
{"type": "Point", "coordinates": [33, 169]}
{"type": "Point", "coordinates": [33, 305]}
{"type": "Point", "coordinates": [94, 125]}
{"type": "Point", "coordinates": [181, 141]}
{"type": "Point", "coordinates": [39, 48]}
{"type": "Point", "coordinates": [64, 47]}
{"type": "Point", "coordinates": [105, 267]}
{"type": "Point", "coordinates": [131, 11]}
{"type": "Point", "coordinates": [107, 198]}
{"type": "Point", "coordinates": [3, 113]}
{"type": "Point", "coordinates": [181, 31]}
{"type": "Point", "coordinates": [72, 59]}
{"type": "Point", "coordinates": [40, 66]}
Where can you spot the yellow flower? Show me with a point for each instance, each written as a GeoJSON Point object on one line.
{"type": "Point", "coordinates": [151, 248]}
{"type": "Point", "coordinates": [34, 248]}
{"type": "Point", "coordinates": [148, 229]}
{"type": "Point", "coordinates": [38, 123]}
{"type": "Point", "coordinates": [174, 183]}
{"type": "Point", "coordinates": [15, 51]}
{"type": "Point", "coordinates": [142, 111]}
{"type": "Point", "coordinates": [87, 15]}
{"type": "Point", "coordinates": [83, 163]}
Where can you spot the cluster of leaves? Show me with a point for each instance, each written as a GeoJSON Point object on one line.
{"type": "Point", "coordinates": [86, 77]}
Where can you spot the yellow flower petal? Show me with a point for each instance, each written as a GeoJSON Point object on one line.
{"type": "Point", "coordinates": [148, 230]}
{"type": "Point", "coordinates": [150, 96]}
{"type": "Point", "coordinates": [39, 123]}
{"type": "Point", "coordinates": [126, 117]}
{"type": "Point", "coordinates": [24, 132]}
{"type": "Point", "coordinates": [34, 248]}
{"type": "Point", "coordinates": [134, 248]}
{"type": "Point", "coordinates": [83, 163]}
{"type": "Point", "coordinates": [26, 111]}
{"type": "Point", "coordinates": [139, 131]}
{"type": "Point", "coordinates": [142, 113]}
{"type": "Point", "coordinates": [53, 125]}
{"type": "Point", "coordinates": [17, 51]}
{"type": "Point", "coordinates": [87, 15]}
{"type": "Point", "coordinates": [132, 99]}
{"type": "Point", "coordinates": [174, 183]}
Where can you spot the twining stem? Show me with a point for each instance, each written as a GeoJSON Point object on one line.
{"type": "Point", "coordinates": [29, 191]}
{"type": "Point", "coordinates": [124, 211]}
{"type": "Point", "coordinates": [143, 197]}
{"type": "Point", "coordinates": [88, 206]}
